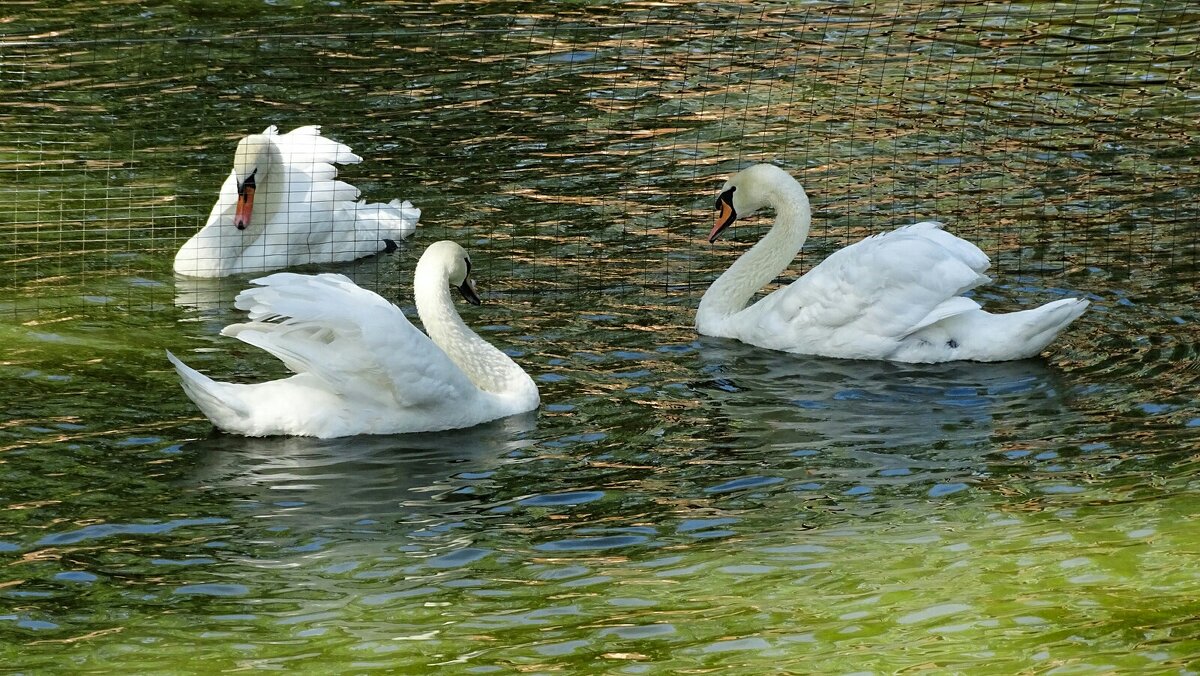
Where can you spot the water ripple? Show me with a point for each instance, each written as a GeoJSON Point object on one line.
{"type": "Point", "coordinates": [106, 530]}
{"type": "Point", "coordinates": [679, 503]}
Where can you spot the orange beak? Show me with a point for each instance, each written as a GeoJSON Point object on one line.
{"type": "Point", "coordinates": [245, 205]}
{"type": "Point", "coordinates": [725, 215]}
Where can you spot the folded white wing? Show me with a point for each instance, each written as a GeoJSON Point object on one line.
{"type": "Point", "coordinates": [888, 285]}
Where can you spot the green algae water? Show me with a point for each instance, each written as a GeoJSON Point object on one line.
{"type": "Point", "coordinates": [679, 504]}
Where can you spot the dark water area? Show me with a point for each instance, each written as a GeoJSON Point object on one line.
{"type": "Point", "coordinates": [678, 502]}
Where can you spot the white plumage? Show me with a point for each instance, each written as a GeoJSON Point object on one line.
{"type": "Point", "coordinates": [893, 296]}
{"type": "Point", "coordinates": [360, 366]}
{"type": "Point", "coordinates": [282, 205]}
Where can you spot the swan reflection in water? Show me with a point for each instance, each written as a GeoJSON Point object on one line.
{"type": "Point", "coordinates": [213, 297]}
{"type": "Point", "coordinates": [878, 415]}
{"type": "Point", "coordinates": [336, 482]}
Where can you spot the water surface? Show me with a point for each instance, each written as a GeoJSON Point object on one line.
{"type": "Point", "coordinates": [678, 503]}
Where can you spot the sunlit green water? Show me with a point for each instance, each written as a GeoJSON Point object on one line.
{"type": "Point", "coordinates": [678, 503]}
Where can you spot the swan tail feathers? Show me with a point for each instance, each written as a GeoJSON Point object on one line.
{"type": "Point", "coordinates": [977, 280]}
{"type": "Point", "coordinates": [1019, 335]}
{"type": "Point", "coordinates": [377, 223]}
{"type": "Point", "coordinates": [1045, 322]}
{"type": "Point", "coordinates": [213, 398]}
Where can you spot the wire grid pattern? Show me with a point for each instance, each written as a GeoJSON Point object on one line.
{"type": "Point", "coordinates": [581, 150]}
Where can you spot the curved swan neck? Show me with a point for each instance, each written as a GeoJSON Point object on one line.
{"type": "Point", "coordinates": [487, 367]}
{"type": "Point", "coordinates": [272, 189]}
{"type": "Point", "coordinates": [730, 293]}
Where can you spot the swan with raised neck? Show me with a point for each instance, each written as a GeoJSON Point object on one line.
{"type": "Point", "coordinates": [447, 265]}
{"type": "Point", "coordinates": [360, 366]}
{"type": "Point", "coordinates": [894, 296]}
{"type": "Point", "coordinates": [758, 186]}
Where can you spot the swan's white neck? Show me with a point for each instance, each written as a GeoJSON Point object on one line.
{"type": "Point", "coordinates": [219, 244]}
{"type": "Point", "coordinates": [271, 190]}
{"type": "Point", "coordinates": [487, 367]}
{"type": "Point", "coordinates": [730, 293]}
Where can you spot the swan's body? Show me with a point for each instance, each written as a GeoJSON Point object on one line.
{"type": "Point", "coordinates": [360, 366]}
{"type": "Point", "coordinates": [893, 296]}
{"type": "Point", "coordinates": [282, 206]}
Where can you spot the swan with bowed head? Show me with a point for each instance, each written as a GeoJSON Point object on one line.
{"type": "Point", "coordinates": [282, 206]}
{"type": "Point", "coordinates": [894, 296]}
{"type": "Point", "coordinates": [360, 366]}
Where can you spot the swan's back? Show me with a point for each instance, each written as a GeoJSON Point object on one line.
{"type": "Point", "coordinates": [897, 295]}
{"type": "Point", "coordinates": [874, 291]}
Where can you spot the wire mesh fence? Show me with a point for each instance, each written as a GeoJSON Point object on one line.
{"type": "Point", "coordinates": [580, 150]}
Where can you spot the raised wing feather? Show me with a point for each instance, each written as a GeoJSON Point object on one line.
{"type": "Point", "coordinates": [310, 175]}
{"type": "Point", "coordinates": [887, 285]}
{"type": "Point", "coordinates": [352, 339]}
{"type": "Point", "coordinates": [304, 146]}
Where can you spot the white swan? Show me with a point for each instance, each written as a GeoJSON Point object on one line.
{"type": "Point", "coordinates": [361, 367]}
{"type": "Point", "coordinates": [282, 206]}
{"type": "Point", "coordinates": [891, 296]}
